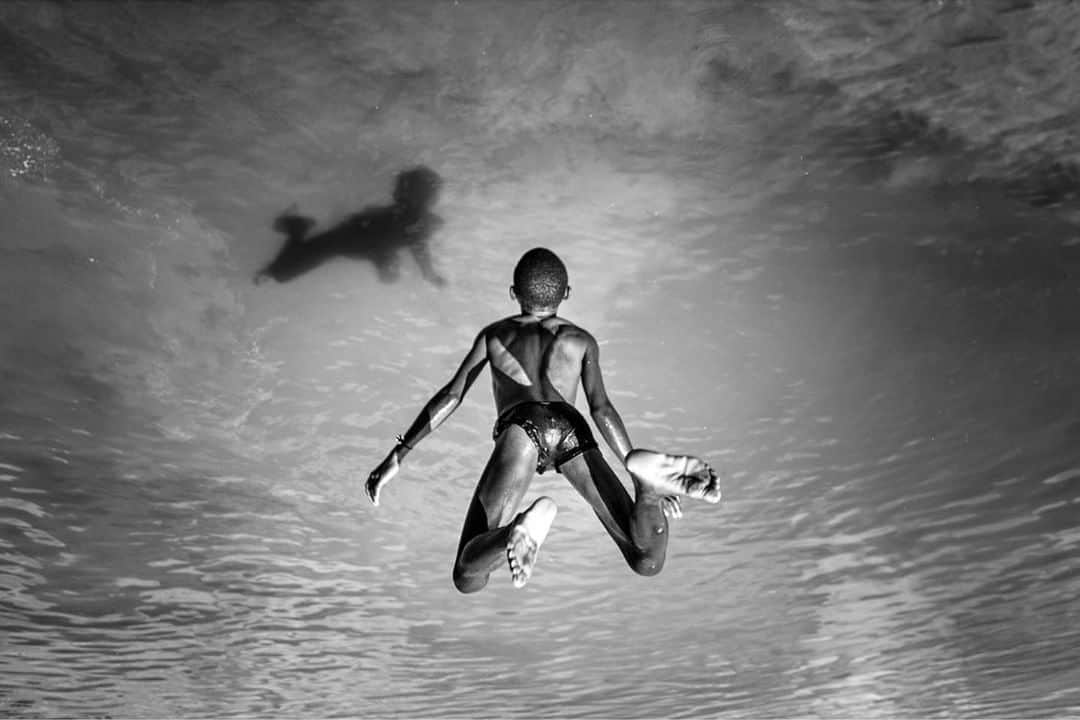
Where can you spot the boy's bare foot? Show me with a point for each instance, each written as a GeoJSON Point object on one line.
{"type": "Point", "coordinates": [527, 533]}
{"type": "Point", "coordinates": [674, 474]}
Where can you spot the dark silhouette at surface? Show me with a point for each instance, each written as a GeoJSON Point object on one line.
{"type": "Point", "coordinates": [378, 234]}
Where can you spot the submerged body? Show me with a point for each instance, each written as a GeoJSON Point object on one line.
{"type": "Point", "coordinates": [538, 362]}
{"type": "Point", "coordinates": [377, 234]}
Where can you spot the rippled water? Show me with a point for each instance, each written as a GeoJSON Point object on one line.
{"type": "Point", "coordinates": [830, 247]}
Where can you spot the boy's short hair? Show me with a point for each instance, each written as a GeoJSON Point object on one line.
{"type": "Point", "coordinates": [540, 278]}
{"type": "Point", "coordinates": [417, 186]}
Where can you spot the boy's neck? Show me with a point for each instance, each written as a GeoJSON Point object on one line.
{"type": "Point", "coordinates": [540, 313]}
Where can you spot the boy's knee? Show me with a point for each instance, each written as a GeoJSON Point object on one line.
{"type": "Point", "coordinates": [648, 566]}
{"type": "Point", "coordinates": [466, 584]}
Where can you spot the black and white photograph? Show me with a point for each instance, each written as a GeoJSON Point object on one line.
{"type": "Point", "coordinates": [540, 359]}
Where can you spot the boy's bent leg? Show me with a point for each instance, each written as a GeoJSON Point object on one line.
{"type": "Point", "coordinates": [638, 526]}
{"type": "Point", "coordinates": [488, 523]}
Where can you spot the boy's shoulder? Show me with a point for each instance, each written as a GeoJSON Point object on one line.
{"type": "Point", "coordinates": [555, 324]}
{"type": "Point", "coordinates": [566, 328]}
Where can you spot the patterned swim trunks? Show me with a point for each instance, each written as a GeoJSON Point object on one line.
{"type": "Point", "coordinates": [557, 429]}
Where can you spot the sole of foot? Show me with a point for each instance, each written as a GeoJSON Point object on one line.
{"type": "Point", "coordinates": [674, 474]}
{"type": "Point", "coordinates": [527, 534]}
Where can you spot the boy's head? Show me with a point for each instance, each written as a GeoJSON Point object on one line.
{"type": "Point", "coordinates": [540, 280]}
{"type": "Point", "coordinates": [417, 188]}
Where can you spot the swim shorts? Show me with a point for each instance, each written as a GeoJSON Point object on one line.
{"type": "Point", "coordinates": [557, 429]}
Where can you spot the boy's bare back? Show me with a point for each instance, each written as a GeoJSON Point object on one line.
{"type": "Point", "coordinates": [536, 359]}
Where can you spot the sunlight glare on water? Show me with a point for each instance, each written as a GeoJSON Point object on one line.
{"type": "Point", "coordinates": [829, 247]}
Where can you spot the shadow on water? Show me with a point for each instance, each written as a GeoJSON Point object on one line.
{"type": "Point", "coordinates": [376, 234]}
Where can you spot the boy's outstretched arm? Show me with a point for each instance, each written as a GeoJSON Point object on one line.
{"type": "Point", "coordinates": [603, 413]}
{"type": "Point", "coordinates": [422, 255]}
{"type": "Point", "coordinates": [441, 405]}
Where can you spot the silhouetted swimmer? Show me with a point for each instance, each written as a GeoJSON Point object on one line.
{"type": "Point", "coordinates": [538, 360]}
{"type": "Point", "coordinates": [377, 234]}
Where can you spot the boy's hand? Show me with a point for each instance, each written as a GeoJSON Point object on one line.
{"type": "Point", "coordinates": [381, 475]}
{"type": "Point", "coordinates": [671, 507]}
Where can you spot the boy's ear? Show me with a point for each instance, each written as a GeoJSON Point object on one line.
{"type": "Point", "coordinates": [513, 293]}
{"type": "Point", "coordinates": [566, 294]}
